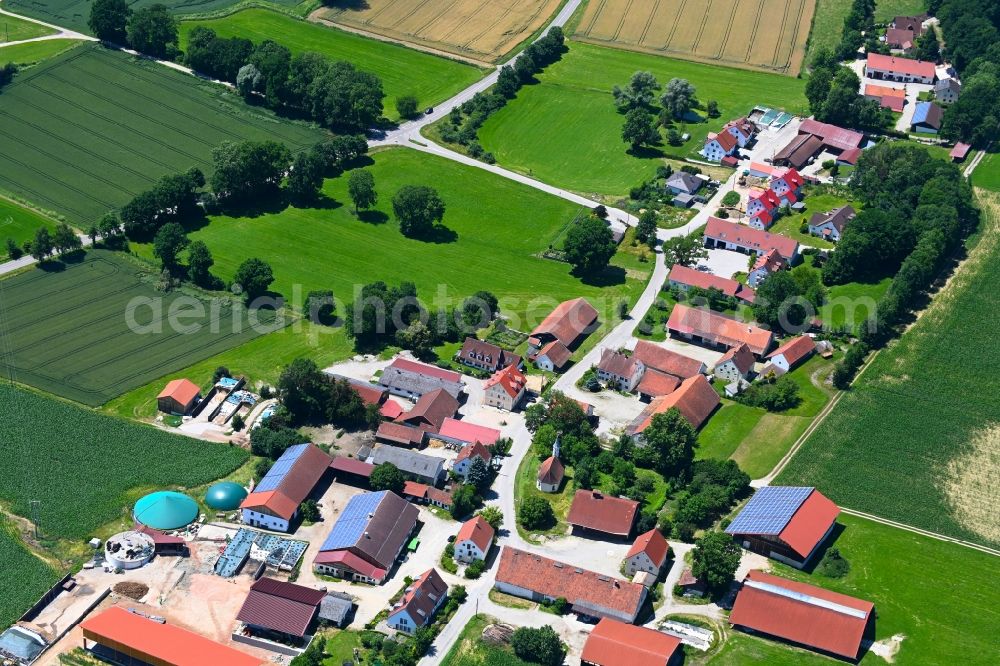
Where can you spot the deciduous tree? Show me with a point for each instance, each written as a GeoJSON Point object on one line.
{"type": "Point", "coordinates": [589, 245]}
{"type": "Point", "coordinates": [153, 31]}
{"type": "Point", "coordinates": [108, 19]}
{"type": "Point", "coordinates": [254, 276]}
{"type": "Point", "coordinates": [715, 560]}
{"type": "Point", "coordinates": [361, 189]}
{"type": "Point", "coordinates": [168, 243]}
{"type": "Point", "coordinates": [418, 208]}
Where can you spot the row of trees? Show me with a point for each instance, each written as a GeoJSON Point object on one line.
{"type": "Point", "coordinates": [972, 33]}
{"type": "Point", "coordinates": [858, 31]}
{"type": "Point", "coordinates": [150, 30]}
{"type": "Point", "coordinates": [382, 314]}
{"type": "Point", "coordinates": [465, 121]}
{"type": "Point", "coordinates": [61, 241]}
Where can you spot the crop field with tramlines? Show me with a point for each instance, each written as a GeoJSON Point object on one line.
{"type": "Point", "coordinates": [68, 332]}
{"type": "Point", "coordinates": [483, 30]}
{"type": "Point", "coordinates": [86, 131]}
{"type": "Point", "coordinates": [917, 438]}
{"type": "Point", "coordinates": [88, 469]}
{"type": "Point", "coordinates": [768, 35]}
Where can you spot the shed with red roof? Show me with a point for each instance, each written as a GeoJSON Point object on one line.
{"type": "Point", "coordinates": [695, 400]}
{"type": "Point", "coordinates": [614, 643]}
{"type": "Point", "coordinates": [179, 396]}
{"type": "Point", "coordinates": [804, 614]}
{"type": "Point", "coordinates": [278, 607]}
{"type": "Point", "coordinates": [901, 70]}
{"type": "Point", "coordinates": [791, 353]}
{"type": "Point", "coordinates": [596, 512]}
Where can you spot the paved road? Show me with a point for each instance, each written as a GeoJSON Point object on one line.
{"type": "Point", "coordinates": [61, 33]}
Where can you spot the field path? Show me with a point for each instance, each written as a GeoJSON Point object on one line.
{"type": "Point", "coordinates": [61, 33]}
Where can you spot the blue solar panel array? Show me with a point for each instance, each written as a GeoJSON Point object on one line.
{"type": "Point", "coordinates": [281, 467]}
{"type": "Point", "coordinates": [769, 510]}
{"type": "Point", "coordinates": [353, 521]}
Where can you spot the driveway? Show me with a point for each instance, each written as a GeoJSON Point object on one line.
{"type": "Point", "coordinates": [725, 263]}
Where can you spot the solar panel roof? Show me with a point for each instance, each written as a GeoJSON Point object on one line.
{"type": "Point", "coordinates": [769, 510]}
{"type": "Point", "coordinates": [352, 521]}
{"type": "Point", "coordinates": [281, 467]}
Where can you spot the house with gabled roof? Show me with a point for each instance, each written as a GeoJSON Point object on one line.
{"type": "Point", "coordinates": [400, 434]}
{"type": "Point", "coordinates": [550, 475]}
{"type": "Point", "coordinates": [179, 396]}
{"type": "Point", "coordinates": [927, 118]}
{"type": "Point", "coordinates": [275, 607]}
{"type": "Point", "coordinates": [619, 370]}
{"type": "Point", "coordinates": [430, 411]}
{"type": "Point", "coordinates": [486, 356]}
{"type": "Point", "coordinates": [614, 643]}
{"type": "Point", "coordinates": [593, 511]}
{"type": "Point", "coordinates": [695, 399]}
{"type": "Point", "coordinates": [830, 224]}
{"type": "Point", "coordinates": [766, 264]}
{"type": "Point", "coordinates": [802, 614]}
{"type": "Point", "coordinates": [590, 594]}
{"type": "Point", "coordinates": [682, 182]}
{"type": "Point", "coordinates": [274, 502]}
{"type": "Point", "coordinates": [411, 379]}
{"type": "Point", "coordinates": [667, 361]}
{"type": "Point", "coordinates": [468, 454]}
{"type": "Point", "coordinates": [762, 207]}
{"type": "Point", "coordinates": [712, 329]}
{"type": "Point", "coordinates": [655, 383]}
{"type": "Point", "coordinates": [506, 388]}
{"type": "Point", "coordinates": [887, 96]}
{"type": "Point", "coordinates": [787, 185]}
{"type": "Point", "coordinates": [684, 279]}
{"type": "Point", "coordinates": [461, 433]}
{"type": "Point", "coordinates": [568, 323]}
{"type": "Point", "coordinates": [901, 70]}
{"type": "Point", "coordinates": [725, 235]}
{"type": "Point", "coordinates": [742, 129]}
{"type": "Point", "coordinates": [785, 523]}
{"type": "Point", "coordinates": [947, 90]}
{"type": "Point", "coordinates": [735, 364]}
{"type": "Point", "coordinates": [368, 537]}
{"type": "Point", "coordinates": [474, 540]}
{"type": "Point", "coordinates": [553, 356]}
{"type": "Point", "coordinates": [648, 553]}
{"type": "Point", "coordinates": [790, 354]}
{"type": "Point", "coordinates": [420, 601]}
{"type": "Point", "coordinates": [719, 145]}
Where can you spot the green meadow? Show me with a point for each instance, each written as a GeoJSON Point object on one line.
{"type": "Point", "coordinates": [19, 224]}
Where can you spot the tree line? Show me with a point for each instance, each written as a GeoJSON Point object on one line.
{"type": "Point", "coordinates": [832, 91]}
{"type": "Point", "coordinates": [465, 120]}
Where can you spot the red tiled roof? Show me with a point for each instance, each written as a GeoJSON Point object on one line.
{"type": "Point", "coordinates": [352, 466]}
{"type": "Point", "coordinates": [713, 326]}
{"type": "Point", "coordinates": [795, 350]}
{"type": "Point", "coordinates": [744, 236]}
{"type": "Point", "coordinates": [348, 559]}
{"type": "Point", "coordinates": [294, 487]}
{"type": "Point", "coordinates": [702, 280]}
{"type": "Point", "coordinates": [596, 511]}
{"type": "Point", "coordinates": [568, 321]}
{"type": "Point", "coordinates": [422, 597]}
{"type": "Point", "coordinates": [586, 590]}
{"type": "Point", "coordinates": [551, 471]}
{"type": "Point", "coordinates": [767, 198]}
{"type": "Point", "coordinates": [666, 361]}
{"type": "Point", "coordinates": [741, 356]}
{"type": "Point", "coordinates": [802, 613]}
{"type": "Point", "coordinates": [656, 383]}
{"type": "Point", "coordinates": [424, 369]}
{"type": "Point", "coordinates": [899, 37]}
{"type": "Point", "coordinates": [400, 433]}
{"type": "Point", "coordinates": [614, 643]}
{"type": "Point", "coordinates": [618, 364]}
{"type": "Point", "coordinates": [369, 393]}
{"type": "Point", "coordinates": [835, 137]}
{"type": "Point", "coordinates": [391, 409]}
{"type": "Point", "coordinates": [792, 177]}
{"type": "Point", "coordinates": [414, 489]}
{"type": "Point", "coordinates": [725, 139]}
{"type": "Point", "coordinates": [695, 400]}
{"type": "Point", "coordinates": [469, 432]}
{"type": "Point", "coordinates": [888, 63]}
{"type": "Point", "coordinates": [478, 531]}
{"type": "Point", "coordinates": [432, 408]}
{"type": "Point", "coordinates": [557, 352]}
{"type": "Point", "coordinates": [730, 161]}
{"type": "Point", "coordinates": [181, 390]}
{"type": "Point", "coordinates": [440, 496]}
{"type": "Point", "coordinates": [653, 544]}
{"type": "Point", "coordinates": [157, 643]}
{"type": "Point", "coordinates": [512, 380]}
{"type": "Point", "coordinates": [475, 449]}
{"type": "Point", "coordinates": [810, 523]}
{"type": "Point", "coordinates": [771, 261]}
{"type": "Point", "coordinates": [280, 606]}
{"type": "Point", "coordinates": [274, 501]}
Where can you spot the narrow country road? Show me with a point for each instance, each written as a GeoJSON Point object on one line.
{"type": "Point", "coordinates": [61, 33]}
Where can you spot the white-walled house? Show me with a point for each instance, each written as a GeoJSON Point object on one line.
{"type": "Point", "coordinates": [420, 602]}
{"type": "Point", "coordinates": [736, 364]}
{"type": "Point", "coordinates": [719, 145]}
{"type": "Point", "coordinates": [648, 553]}
{"type": "Point", "coordinates": [474, 540]}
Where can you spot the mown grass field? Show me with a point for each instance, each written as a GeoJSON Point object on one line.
{"type": "Point", "coordinates": [495, 230]}
{"type": "Point", "coordinates": [915, 440]}
{"type": "Point", "coordinates": [566, 131]}
{"type": "Point", "coordinates": [33, 52]}
{"type": "Point", "coordinates": [757, 439]}
{"type": "Point", "coordinates": [768, 35]}
{"type": "Point", "coordinates": [86, 131]}
{"type": "Point", "coordinates": [87, 468]}
{"type": "Point", "coordinates": [73, 14]}
{"type": "Point", "coordinates": [403, 71]}
{"type": "Point", "coordinates": [18, 223]}
{"type": "Point", "coordinates": [15, 29]}
{"type": "Point", "coordinates": [938, 596]}
{"type": "Point", "coordinates": [23, 577]}
{"type": "Point", "coordinates": [987, 174]}
{"type": "Point", "coordinates": [483, 30]}
{"type": "Point", "coordinates": [70, 331]}
{"type": "Point", "coordinates": [470, 650]}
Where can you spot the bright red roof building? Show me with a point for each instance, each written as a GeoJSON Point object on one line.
{"type": "Point", "coordinates": [478, 531]}
{"type": "Point", "coordinates": [511, 379]}
{"type": "Point", "coordinates": [653, 544]}
{"type": "Point", "coordinates": [718, 329]}
{"type": "Point", "coordinates": [749, 238]}
{"type": "Point", "coordinates": [904, 66]}
{"type": "Point", "coordinates": [667, 361]}
{"type": "Point", "coordinates": [804, 614]}
{"type": "Point", "coordinates": [160, 644]}
{"type": "Point", "coordinates": [795, 350]}
{"type": "Point", "coordinates": [599, 512]}
{"type": "Point", "coordinates": [614, 643]}
{"type": "Point", "coordinates": [469, 432]}
{"type": "Point", "coordinates": [695, 400]}
{"type": "Point", "coordinates": [181, 390]}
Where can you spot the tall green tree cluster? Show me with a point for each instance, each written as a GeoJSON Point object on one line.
{"type": "Point", "coordinates": [150, 30]}
{"type": "Point", "coordinates": [312, 396]}
{"type": "Point", "coordinates": [333, 93]}
{"type": "Point", "coordinates": [833, 94]}
{"type": "Point", "coordinates": [171, 199]}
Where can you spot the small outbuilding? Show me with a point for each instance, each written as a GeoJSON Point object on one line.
{"type": "Point", "coordinates": [179, 396]}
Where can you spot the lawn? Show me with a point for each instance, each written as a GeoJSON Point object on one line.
{"type": "Point", "coordinates": [97, 465]}
{"type": "Point", "coordinates": [33, 52]}
{"type": "Point", "coordinates": [566, 131]}
{"type": "Point", "coordinates": [403, 71]}
{"type": "Point", "coordinates": [987, 174]}
{"type": "Point", "coordinates": [86, 131]}
{"type": "Point", "coordinates": [886, 10]}
{"type": "Point", "coordinates": [495, 230]}
{"type": "Point", "coordinates": [915, 439]}
{"type": "Point", "coordinates": [340, 647]}
{"type": "Point", "coordinates": [16, 29]}
{"type": "Point", "coordinates": [816, 201]}
{"type": "Point", "coordinates": [23, 577]}
{"type": "Point", "coordinates": [848, 305]}
{"type": "Point", "coordinates": [18, 223]}
{"type": "Point", "coordinates": [524, 486]}
{"type": "Point", "coordinates": [757, 439]}
{"type": "Point", "coordinates": [73, 14]}
{"type": "Point", "coordinates": [470, 650]}
{"type": "Point", "coordinates": [827, 25]}
{"type": "Point", "coordinates": [88, 330]}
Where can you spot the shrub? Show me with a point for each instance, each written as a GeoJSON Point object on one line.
{"type": "Point", "coordinates": [539, 646]}
{"type": "Point", "coordinates": [731, 199]}
{"type": "Point", "coordinates": [406, 106]}
{"type": "Point", "coordinates": [475, 570]}
{"type": "Point", "coordinates": [536, 513]}
{"type": "Point", "coordinates": [833, 564]}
